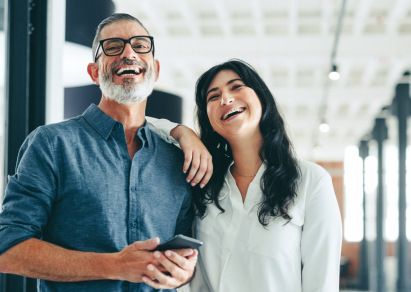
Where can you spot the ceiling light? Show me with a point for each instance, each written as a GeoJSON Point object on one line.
{"type": "Point", "coordinates": [324, 127]}
{"type": "Point", "coordinates": [334, 74]}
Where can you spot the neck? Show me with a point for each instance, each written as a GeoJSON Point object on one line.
{"type": "Point", "coordinates": [246, 156]}
{"type": "Point", "coordinates": [132, 116]}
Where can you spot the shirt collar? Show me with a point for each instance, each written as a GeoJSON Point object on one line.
{"type": "Point", "coordinates": [100, 122]}
{"type": "Point", "coordinates": [144, 134]}
{"type": "Point", "coordinates": [104, 124]}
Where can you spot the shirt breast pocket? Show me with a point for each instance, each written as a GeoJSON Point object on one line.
{"type": "Point", "coordinates": [280, 240]}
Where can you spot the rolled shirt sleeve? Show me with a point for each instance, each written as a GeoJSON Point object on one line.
{"type": "Point", "coordinates": [30, 192]}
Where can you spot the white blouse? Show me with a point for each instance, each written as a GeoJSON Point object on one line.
{"type": "Point", "coordinates": [239, 254]}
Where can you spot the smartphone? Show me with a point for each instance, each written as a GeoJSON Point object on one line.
{"type": "Point", "coordinates": [178, 242]}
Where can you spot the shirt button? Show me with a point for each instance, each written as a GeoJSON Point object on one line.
{"type": "Point", "coordinates": [134, 224]}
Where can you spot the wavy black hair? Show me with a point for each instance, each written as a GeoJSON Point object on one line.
{"type": "Point", "coordinates": [280, 179]}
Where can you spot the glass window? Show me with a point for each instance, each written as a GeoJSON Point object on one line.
{"type": "Point", "coordinates": [353, 228]}
{"type": "Point", "coordinates": [391, 193]}
{"type": "Point", "coordinates": [353, 195]}
{"type": "Point", "coordinates": [371, 184]}
{"type": "Point", "coordinates": [353, 211]}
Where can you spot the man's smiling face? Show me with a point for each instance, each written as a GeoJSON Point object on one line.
{"type": "Point", "coordinates": [128, 77]}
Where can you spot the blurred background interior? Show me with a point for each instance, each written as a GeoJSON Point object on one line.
{"type": "Point", "coordinates": [352, 122]}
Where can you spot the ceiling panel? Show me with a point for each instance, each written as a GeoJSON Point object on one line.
{"type": "Point", "coordinates": [289, 43]}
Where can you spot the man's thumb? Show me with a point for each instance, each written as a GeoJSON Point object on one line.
{"type": "Point", "coordinates": [149, 244]}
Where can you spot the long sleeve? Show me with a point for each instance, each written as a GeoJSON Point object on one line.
{"type": "Point", "coordinates": [162, 127]}
{"type": "Point", "coordinates": [30, 192]}
{"type": "Point", "coordinates": [321, 239]}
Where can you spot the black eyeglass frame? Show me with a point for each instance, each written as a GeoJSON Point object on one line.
{"type": "Point", "coordinates": [100, 45]}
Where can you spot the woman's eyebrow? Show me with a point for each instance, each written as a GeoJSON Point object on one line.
{"type": "Point", "coordinates": [228, 83]}
{"type": "Point", "coordinates": [211, 90]}
{"type": "Point", "coordinates": [233, 80]}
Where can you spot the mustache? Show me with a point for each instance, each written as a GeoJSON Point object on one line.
{"type": "Point", "coordinates": [125, 62]}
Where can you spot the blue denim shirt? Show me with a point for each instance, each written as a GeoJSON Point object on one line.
{"type": "Point", "coordinates": [75, 186]}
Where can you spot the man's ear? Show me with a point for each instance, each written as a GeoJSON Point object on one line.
{"type": "Point", "coordinates": [92, 69]}
{"type": "Point", "coordinates": [156, 68]}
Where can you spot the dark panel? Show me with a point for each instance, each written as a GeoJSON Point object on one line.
{"type": "Point", "coordinates": [83, 17]}
{"type": "Point", "coordinates": [17, 80]}
{"type": "Point", "coordinates": [165, 105]}
{"type": "Point", "coordinates": [77, 99]}
{"type": "Point", "coordinates": [159, 104]}
{"type": "Point", "coordinates": [16, 100]}
{"type": "Point", "coordinates": [25, 91]}
{"type": "Point", "coordinates": [37, 66]}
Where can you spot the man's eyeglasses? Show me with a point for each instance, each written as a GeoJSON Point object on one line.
{"type": "Point", "coordinates": [141, 44]}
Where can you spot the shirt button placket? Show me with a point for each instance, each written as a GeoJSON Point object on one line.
{"type": "Point", "coordinates": [133, 215]}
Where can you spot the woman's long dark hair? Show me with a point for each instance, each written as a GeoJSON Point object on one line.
{"type": "Point", "coordinates": [280, 179]}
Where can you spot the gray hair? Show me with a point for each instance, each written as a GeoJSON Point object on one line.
{"type": "Point", "coordinates": [109, 20]}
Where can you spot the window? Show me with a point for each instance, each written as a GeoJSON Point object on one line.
{"type": "Point", "coordinates": [353, 199]}
{"type": "Point", "coordinates": [353, 219]}
{"type": "Point", "coordinates": [391, 193]}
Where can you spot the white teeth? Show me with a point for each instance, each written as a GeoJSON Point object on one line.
{"type": "Point", "coordinates": [239, 110]}
{"type": "Point", "coordinates": [136, 70]}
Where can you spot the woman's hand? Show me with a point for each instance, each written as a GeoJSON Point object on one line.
{"type": "Point", "coordinates": [195, 154]}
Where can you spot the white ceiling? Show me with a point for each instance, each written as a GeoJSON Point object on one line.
{"type": "Point", "coordinates": [290, 44]}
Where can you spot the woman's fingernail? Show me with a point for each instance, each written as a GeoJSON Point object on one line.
{"type": "Point", "coordinates": [168, 253]}
{"type": "Point", "coordinates": [150, 268]}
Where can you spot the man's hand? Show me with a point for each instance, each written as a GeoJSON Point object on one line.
{"type": "Point", "coordinates": [196, 154]}
{"type": "Point", "coordinates": [35, 258]}
{"type": "Point", "coordinates": [180, 269]}
{"type": "Point", "coordinates": [133, 260]}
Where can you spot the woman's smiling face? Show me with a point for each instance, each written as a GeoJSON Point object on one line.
{"type": "Point", "coordinates": [234, 109]}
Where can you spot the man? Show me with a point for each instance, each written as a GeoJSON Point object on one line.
{"type": "Point", "coordinates": [93, 195]}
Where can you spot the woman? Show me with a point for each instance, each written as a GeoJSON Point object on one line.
{"type": "Point", "coordinates": [269, 222]}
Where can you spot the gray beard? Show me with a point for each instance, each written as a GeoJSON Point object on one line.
{"type": "Point", "coordinates": [129, 92]}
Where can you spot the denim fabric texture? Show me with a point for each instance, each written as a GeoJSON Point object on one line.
{"type": "Point", "coordinates": [75, 186]}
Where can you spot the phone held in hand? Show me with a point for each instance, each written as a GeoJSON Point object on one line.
{"type": "Point", "coordinates": [179, 242]}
